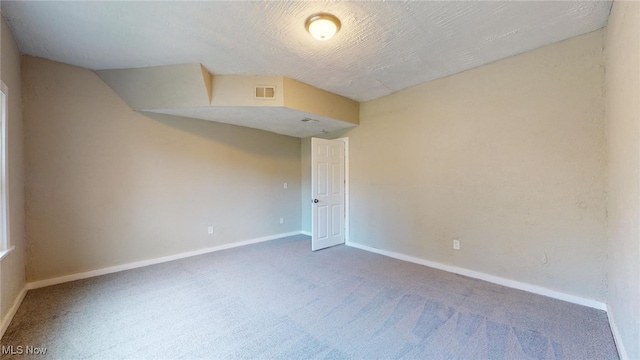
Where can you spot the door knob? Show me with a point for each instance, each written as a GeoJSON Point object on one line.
{"type": "Point", "coordinates": [315, 201]}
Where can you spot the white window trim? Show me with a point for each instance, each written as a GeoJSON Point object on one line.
{"type": "Point", "coordinates": [6, 246]}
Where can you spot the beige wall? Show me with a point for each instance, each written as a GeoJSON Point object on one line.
{"type": "Point", "coordinates": [509, 158]}
{"type": "Point", "coordinates": [12, 271]}
{"type": "Point", "coordinates": [623, 175]}
{"type": "Point", "coordinates": [107, 186]}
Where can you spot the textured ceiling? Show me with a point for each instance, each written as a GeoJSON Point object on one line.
{"type": "Point", "coordinates": [382, 47]}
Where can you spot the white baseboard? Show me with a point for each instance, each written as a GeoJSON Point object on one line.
{"type": "Point", "coordinates": [12, 311]}
{"type": "Point", "coordinates": [486, 277]}
{"type": "Point", "coordinates": [138, 264]}
{"type": "Point", "coordinates": [616, 335]}
{"type": "Point", "coordinates": [308, 233]}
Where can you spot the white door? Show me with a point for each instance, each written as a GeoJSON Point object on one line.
{"type": "Point", "coordinates": [328, 193]}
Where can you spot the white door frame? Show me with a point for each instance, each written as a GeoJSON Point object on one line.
{"type": "Point", "coordinates": [346, 189]}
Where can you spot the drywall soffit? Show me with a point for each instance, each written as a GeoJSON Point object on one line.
{"type": "Point", "coordinates": [160, 86]}
{"type": "Point", "coordinates": [191, 91]}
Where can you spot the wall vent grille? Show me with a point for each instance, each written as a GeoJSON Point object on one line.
{"type": "Point", "coordinates": [265, 92]}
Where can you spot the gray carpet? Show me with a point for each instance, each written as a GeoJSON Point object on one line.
{"type": "Point", "coordinates": [280, 300]}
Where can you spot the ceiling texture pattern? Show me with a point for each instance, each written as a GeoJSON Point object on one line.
{"type": "Point", "coordinates": [382, 47]}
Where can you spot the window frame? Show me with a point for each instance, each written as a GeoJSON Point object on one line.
{"type": "Point", "coordinates": [5, 238]}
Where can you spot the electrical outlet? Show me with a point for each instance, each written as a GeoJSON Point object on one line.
{"type": "Point", "coordinates": [285, 185]}
{"type": "Point", "coordinates": [210, 230]}
{"type": "Point", "coordinates": [281, 220]}
{"type": "Point", "coordinates": [456, 244]}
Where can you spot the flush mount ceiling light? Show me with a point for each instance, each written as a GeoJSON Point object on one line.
{"type": "Point", "coordinates": [322, 26]}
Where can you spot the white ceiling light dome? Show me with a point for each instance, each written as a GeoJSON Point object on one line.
{"type": "Point", "coordinates": [322, 26]}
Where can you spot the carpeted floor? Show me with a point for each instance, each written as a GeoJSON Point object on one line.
{"type": "Point", "coordinates": [280, 300]}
